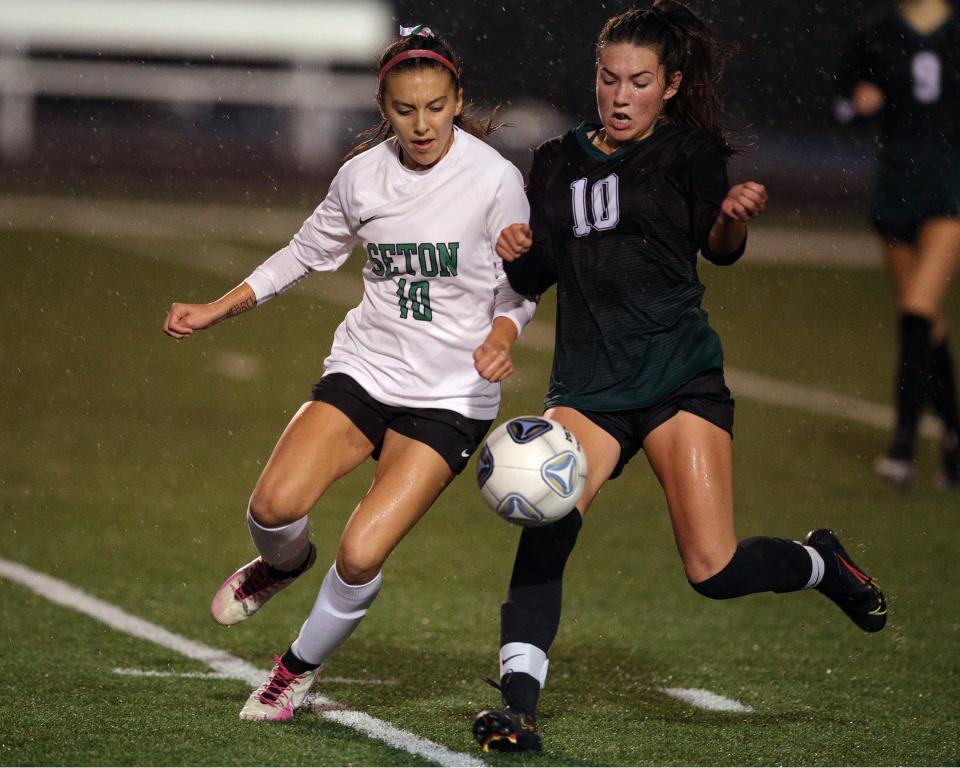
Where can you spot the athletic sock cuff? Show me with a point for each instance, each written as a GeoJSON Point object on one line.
{"type": "Point", "coordinates": [358, 594]}
{"type": "Point", "coordinates": [284, 547]}
{"type": "Point", "coordinates": [524, 658]}
{"type": "Point", "coordinates": [817, 567]}
{"type": "Point", "coordinates": [911, 322]}
{"type": "Point", "coordinates": [295, 664]}
{"type": "Point", "coordinates": [290, 528]}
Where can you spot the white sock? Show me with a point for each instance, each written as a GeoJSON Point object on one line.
{"type": "Point", "coordinates": [817, 567]}
{"type": "Point", "coordinates": [526, 658]}
{"type": "Point", "coordinates": [338, 610]}
{"type": "Point", "coordinates": [284, 547]}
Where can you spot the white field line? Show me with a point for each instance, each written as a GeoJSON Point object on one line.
{"type": "Point", "coordinates": [803, 246]}
{"type": "Point", "coordinates": [702, 699]}
{"type": "Point", "coordinates": [357, 680]}
{"type": "Point", "coordinates": [129, 672]}
{"type": "Point", "coordinates": [345, 290]}
{"type": "Point", "coordinates": [134, 222]}
{"type": "Point", "coordinates": [154, 219]}
{"type": "Point", "coordinates": [238, 366]}
{"type": "Point", "coordinates": [697, 697]}
{"type": "Point", "coordinates": [229, 666]}
{"type": "Point", "coordinates": [141, 219]}
{"type": "Point", "coordinates": [820, 402]}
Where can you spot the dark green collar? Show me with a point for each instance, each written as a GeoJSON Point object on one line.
{"type": "Point", "coordinates": [588, 146]}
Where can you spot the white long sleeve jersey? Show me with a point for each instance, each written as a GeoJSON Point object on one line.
{"type": "Point", "coordinates": [432, 280]}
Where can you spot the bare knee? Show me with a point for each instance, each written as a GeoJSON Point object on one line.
{"type": "Point", "coordinates": [924, 306]}
{"type": "Point", "coordinates": [939, 331]}
{"type": "Point", "coordinates": [272, 506]}
{"type": "Point", "coordinates": [358, 563]}
{"type": "Point", "coordinates": [702, 562]}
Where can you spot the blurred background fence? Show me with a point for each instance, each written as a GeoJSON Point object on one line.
{"type": "Point", "coordinates": [266, 95]}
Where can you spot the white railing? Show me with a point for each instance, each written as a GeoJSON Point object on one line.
{"type": "Point", "coordinates": [306, 37]}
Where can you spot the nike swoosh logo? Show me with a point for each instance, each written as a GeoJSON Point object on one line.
{"type": "Point", "coordinates": [465, 454]}
{"type": "Point", "coordinates": [367, 221]}
{"type": "Point", "coordinates": [510, 657]}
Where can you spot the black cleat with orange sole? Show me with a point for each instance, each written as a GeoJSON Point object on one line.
{"type": "Point", "coordinates": [856, 593]}
{"type": "Point", "coordinates": [505, 730]}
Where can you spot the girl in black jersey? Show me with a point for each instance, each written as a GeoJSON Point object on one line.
{"type": "Point", "coordinates": [619, 211]}
{"type": "Point", "coordinates": [907, 70]}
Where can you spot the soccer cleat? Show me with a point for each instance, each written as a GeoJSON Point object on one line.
{"type": "Point", "coordinates": [506, 730]}
{"type": "Point", "coordinates": [855, 592]}
{"type": "Point", "coordinates": [245, 592]}
{"type": "Point", "coordinates": [280, 694]}
{"type": "Point", "coordinates": [897, 472]}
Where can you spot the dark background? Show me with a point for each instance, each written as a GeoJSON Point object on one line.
{"type": "Point", "coordinates": [780, 80]}
{"type": "Point", "coordinates": [778, 88]}
{"type": "Point", "coordinates": [778, 85]}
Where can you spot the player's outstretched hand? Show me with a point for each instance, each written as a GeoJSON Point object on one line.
{"type": "Point", "coordinates": [745, 201]}
{"type": "Point", "coordinates": [514, 241]}
{"type": "Point", "coordinates": [184, 319]}
{"type": "Point", "coordinates": [492, 360]}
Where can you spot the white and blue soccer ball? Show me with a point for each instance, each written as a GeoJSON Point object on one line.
{"type": "Point", "coordinates": [531, 470]}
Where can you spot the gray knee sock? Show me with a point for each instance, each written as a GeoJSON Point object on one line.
{"type": "Point", "coordinates": [284, 547]}
{"type": "Point", "coordinates": [339, 608]}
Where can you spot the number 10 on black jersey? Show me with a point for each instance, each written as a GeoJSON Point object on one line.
{"type": "Point", "coordinates": [605, 205]}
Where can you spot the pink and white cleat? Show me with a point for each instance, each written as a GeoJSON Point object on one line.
{"type": "Point", "coordinates": [245, 592]}
{"type": "Point", "coordinates": [280, 694]}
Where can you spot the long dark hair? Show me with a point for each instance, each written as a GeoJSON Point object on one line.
{"type": "Point", "coordinates": [684, 42]}
{"type": "Point", "coordinates": [468, 120]}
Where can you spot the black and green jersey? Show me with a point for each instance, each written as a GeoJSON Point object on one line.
{"type": "Point", "coordinates": [918, 173]}
{"type": "Point", "coordinates": [619, 235]}
{"type": "Point", "coordinates": [919, 75]}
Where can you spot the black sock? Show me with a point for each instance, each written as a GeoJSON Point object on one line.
{"type": "Point", "coordinates": [295, 664]}
{"type": "Point", "coordinates": [531, 612]}
{"type": "Point", "coordinates": [520, 692]}
{"type": "Point", "coordinates": [913, 382]}
{"type": "Point", "coordinates": [943, 390]}
{"type": "Point", "coordinates": [761, 564]}
{"type": "Point", "coordinates": [276, 573]}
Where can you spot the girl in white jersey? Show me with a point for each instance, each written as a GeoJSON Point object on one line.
{"type": "Point", "coordinates": [413, 376]}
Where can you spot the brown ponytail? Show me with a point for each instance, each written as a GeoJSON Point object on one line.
{"type": "Point", "coordinates": [684, 43]}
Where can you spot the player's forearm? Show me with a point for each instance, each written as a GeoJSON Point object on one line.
{"type": "Point", "coordinates": [237, 301]}
{"type": "Point", "coordinates": [726, 236]}
{"type": "Point", "coordinates": [531, 274]}
{"type": "Point", "coordinates": [503, 332]}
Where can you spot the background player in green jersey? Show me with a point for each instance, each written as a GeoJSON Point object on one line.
{"type": "Point", "coordinates": [906, 69]}
{"type": "Point", "coordinates": [619, 212]}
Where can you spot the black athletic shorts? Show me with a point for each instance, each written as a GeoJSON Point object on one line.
{"type": "Point", "coordinates": [907, 194]}
{"type": "Point", "coordinates": [705, 395]}
{"type": "Point", "coordinates": [452, 435]}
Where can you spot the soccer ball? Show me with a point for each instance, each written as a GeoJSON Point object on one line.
{"type": "Point", "coordinates": [531, 470]}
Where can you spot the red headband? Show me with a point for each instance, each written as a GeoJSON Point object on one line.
{"type": "Point", "coordinates": [418, 53]}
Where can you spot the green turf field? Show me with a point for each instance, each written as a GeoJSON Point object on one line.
{"type": "Point", "coordinates": [127, 459]}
